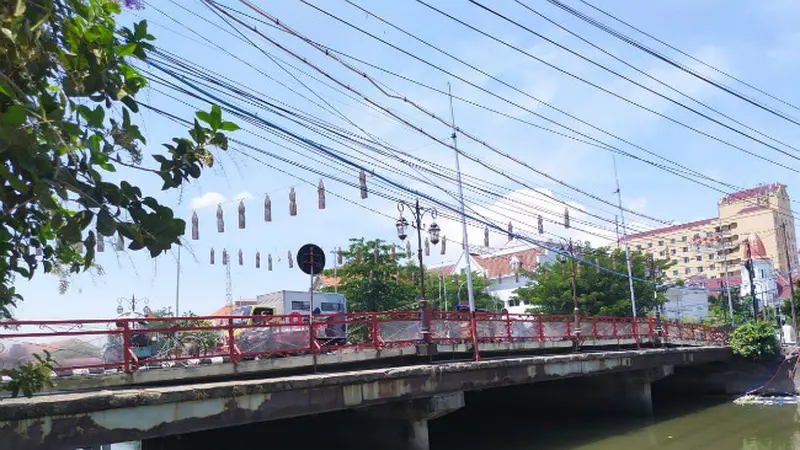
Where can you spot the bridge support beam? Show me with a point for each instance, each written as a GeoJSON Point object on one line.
{"type": "Point", "coordinates": [404, 425]}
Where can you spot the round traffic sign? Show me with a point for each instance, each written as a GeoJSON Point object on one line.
{"type": "Point", "coordinates": [311, 259]}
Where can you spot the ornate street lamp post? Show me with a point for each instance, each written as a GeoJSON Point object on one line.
{"type": "Point", "coordinates": [576, 317]}
{"type": "Point", "coordinates": [433, 230]}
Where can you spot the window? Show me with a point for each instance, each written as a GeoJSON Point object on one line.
{"type": "Point", "coordinates": [661, 253]}
{"type": "Point", "coordinates": [711, 256]}
{"type": "Point", "coordinates": [683, 238]}
{"type": "Point", "coordinates": [699, 268]}
{"type": "Point", "coordinates": [712, 267]}
{"type": "Point", "coordinates": [672, 241]}
{"type": "Point", "coordinates": [673, 251]}
{"type": "Point", "coordinates": [301, 306]}
{"type": "Point", "coordinates": [638, 247]}
{"type": "Point", "coordinates": [675, 273]}
{"type": "Point", "coordinates": [331, 307]}
{"type": "Point", "coordinates": [661, 243]}
{"type": "Point", "coordinates": [763, 275]}
{"type": "Point", "coordinates": [687, 271]}
{"type": "Point", "coordinates": [708, 234]}
{"type": "Point", "coordinates": [698, 257]}
{"type": "Point", "coordinates": [685, 249]}
{"type": "Point", "coordinates": [649, 245]}
{"type": "Point", "coordinates": [685, 260]}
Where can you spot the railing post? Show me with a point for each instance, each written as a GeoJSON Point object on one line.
{"type": "Point", "coordinates": [508, 328]}
{"type": "Point", "coordinates": [635, 329]}
{"type": "Point", "coordinates": [473, 330]}
{"type": "Point", "coordinates": [540, 326]}
{"type": "Point", "coordinates": [231, 342]}
{"type": "Point", "coordinates": [126, 346]}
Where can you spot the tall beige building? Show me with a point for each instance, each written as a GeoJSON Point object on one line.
{"type": "Point", "coordinates": [698, 247]}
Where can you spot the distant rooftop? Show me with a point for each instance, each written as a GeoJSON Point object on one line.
{"type": "Point", "coordinates": [753, 192]}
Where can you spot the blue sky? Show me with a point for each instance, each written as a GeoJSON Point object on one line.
{"type": "Point", "coordinates": [755, 41]}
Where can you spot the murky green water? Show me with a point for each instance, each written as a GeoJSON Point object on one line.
{"type": "Point", "coordinates": [702, 424]}
{"type": "Point", "coordinates": [707, 427]}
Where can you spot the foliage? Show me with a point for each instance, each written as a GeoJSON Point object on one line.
{"type": "Point", "coordinates": [755, 341]}
{"type": "Point", "coordinates": [30, 377]}
{"type": "Point", "coordinates": [392, 284]}
{"type": "Point", "coordinates": [369, 286]}
{"type": "Point", "coordinates": [549, 287]}
{"type": "Point", "coordinates": [201, 340]}
{"type": "Point", "coordinates": [719, 312]}
{"type": "Point", "coordinates": [67, 93]}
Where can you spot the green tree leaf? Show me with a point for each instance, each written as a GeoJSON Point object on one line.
{"type": "Point", "coordinates": [15, 115]}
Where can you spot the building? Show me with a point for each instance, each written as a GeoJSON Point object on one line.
{"type": "Point", "coordinates": [683, 303]}
{"type": "Point", "coordinates": [504, 267]}
{"type": "Point", "coordinates": [765, 278]}
{"type": "Point", "coordinates": [226, 310]}
{"type": "Point", "coordinates": [697, 247]}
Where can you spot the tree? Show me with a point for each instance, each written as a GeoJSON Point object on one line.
{"type": "Point", "coordinates": [549, 287]}
{"type": "Point", "coordinates": [393, 282]}
{"type": "Point", "coordinates": [194, 342]}
{"type": "Point", "coordinates": [719, 312]}
{"type": "Point", "coordinates": [67, 93]}
{"type": "Point", "coordinates": [368, 285]}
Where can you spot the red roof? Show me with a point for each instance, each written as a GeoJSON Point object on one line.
{"type": "Point", "coordinates": [500, 265]}
{"type": "Point", "coordinates": [444, 270]}
{"type": "Point", "coordinates": [698, 223]}
{"type": "Point", "coordinates": [750, 193]}
{"type": "Point", "coordinates": [330, 281]}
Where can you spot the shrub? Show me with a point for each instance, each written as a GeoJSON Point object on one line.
{"type": "Point", "coordinates": [755, 341]}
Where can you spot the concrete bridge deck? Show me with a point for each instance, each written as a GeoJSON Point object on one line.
{"type": "Point", "coordinates": [150, 414]}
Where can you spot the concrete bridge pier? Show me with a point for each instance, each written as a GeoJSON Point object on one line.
{"type": "Point", "coordinates": [404, 425]}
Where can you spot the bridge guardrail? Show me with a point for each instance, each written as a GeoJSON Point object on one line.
{"type": "Point", "coordinates": [131, 344]}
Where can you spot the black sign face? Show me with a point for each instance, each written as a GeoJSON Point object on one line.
{"type": "Point", "coordinates": [311, 259]}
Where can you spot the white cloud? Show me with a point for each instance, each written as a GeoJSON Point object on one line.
{"type": "Point", "coordinates": [637, 203]}
{"type": "Point", "coordinates": [207, 200]}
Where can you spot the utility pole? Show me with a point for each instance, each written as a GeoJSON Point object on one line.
{"type": "Point", "coordinates": [574, 293]}
{"type": "Point", "coordinates": [653, 273]}
{"type": "Point", "coordinates": [335, 254]}
{"type": "Point", "coordinates": [749, 266]}
{"type": "Point", "coordinates": [791, 284]}
{"type": "Point", "coordinates": [464, 240]}
{"type": "Point", "coordinates": [725, 268]}
{"type": "Point", "coordinates": [616, 226]}
{"type": "Point", "coordinates": [178, 285]}
{"type": "Point", "coordinates": [625, 237]}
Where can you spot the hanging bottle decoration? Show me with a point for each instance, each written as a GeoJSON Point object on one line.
{"type": "Point", "coordinates": [427, 247]}
{"type": "Point", "coordinates": [358, 254]}
{"type": "Point", "coordinates": [339, 255]}
{"type": "Point", "coordinates": [614, 262]}
{"type": "Point", "coordinates": [321, 195]}
{"type": "Point", "coordinates": [370, 276]}
{"type": "Point", "coordinates": [225, 257]}
{"type": "Point", "coordinates": [414, 277]}
{"type": "Point", "coordinates": [291, 260]}
{"type": "Point", "coordinates": [258, 260]}
{"type": "Point", "coordinates": [540, 224]}
{"type": "Point", "coordinates": [578, 269]}
{"type": "Point", "coordinates": [499, 279]}
{"type": "Point", "coordinates": [376, 253]}
{"type": "Point", "coordinates": [120, 243]}
{"type": "Point", "coordinates": [292, 202]}
{"type": "Point", "coordinates": [384, 277]}
{"type": "Point", "coordinates": [444, 244]}
{"type": "Point", "coordinates": [566, 217]}
{"type": "Point", "coordinates": [362, 181]}
{"type": "Point", "coordinates": [211, 256]}
{"type": "Point", "coordinates": [546, 274]}
{"type": "Point", "coordinates": [269, 262]}
{"type": "Point", "coordinates": [516, 276]}
{"type": "Point", "coordinates": [220, 220]}
{"type": "Point", "coordinates": [394, 252]}
{"type": "Point", "coordinates": [267, 209]}
{"type": "Point", "coordinates": [241, 215]}
{"type": "Point", "coordinates": [510, 231]}
{"type": "Point", "coordinates": [485, 279]}
{"type": "Point", "coordinates": [101, 245]}
{"type": "Point", "coordinates": [408, 249]}
{"type": "Point", "coordinates": [241, 258]}
{"type": "Point", "coordinates": [485, 236]}
{"type": "Point", "coordinates": [596, 264]}
{"type": "Point", "coordinates": [195, 226]}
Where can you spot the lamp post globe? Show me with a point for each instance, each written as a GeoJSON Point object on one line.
{"type": "Point", "coordinates": [434, 232]}
{"type": "Point", "coordinates": [402, 225]}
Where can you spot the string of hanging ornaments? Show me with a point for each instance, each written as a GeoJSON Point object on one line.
{"type": "Point", "coordinates": [241, 212]}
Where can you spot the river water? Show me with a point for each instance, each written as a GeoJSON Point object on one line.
{"type": "Point", "coordinates": [702, 424]}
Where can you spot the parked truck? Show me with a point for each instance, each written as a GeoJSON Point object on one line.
{"type": "Point", "coordinates": [297, 306]}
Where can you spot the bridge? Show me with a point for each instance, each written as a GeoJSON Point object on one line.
{"type": "Point", "coordinates": [382, 366]}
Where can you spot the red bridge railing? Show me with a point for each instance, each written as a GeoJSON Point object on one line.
{"type": "Point", "coordinates": [130, 344]}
